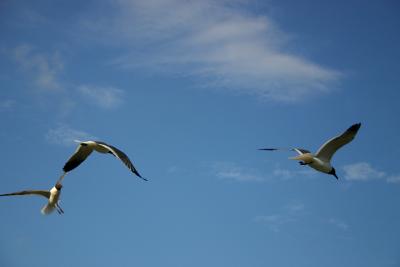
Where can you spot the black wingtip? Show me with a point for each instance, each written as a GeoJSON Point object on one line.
{"type": "Point", "coordinates": [72, 164]}
{"type": "Point", "coordinates": [268, 149]}
{"type": "Point", "coordinates": [145, 179]}
{"type": "Point", "coordinates": [355, 127]}
{"type": "Point", "coordinates": [137, 174]}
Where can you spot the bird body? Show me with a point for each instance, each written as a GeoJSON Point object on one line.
{"type": "Point", "coordinates": [307, 158]}
{"type": "Point", "coordinates": [320, 165]}
{"type": "Point", "coordinates": [314, 162]}
{"type": "Point", "coordinates": [53, 200]}
{"type": "Point", "coordinates": [321, 160]}
{"type": "Point", "coordinates": [53, 196]}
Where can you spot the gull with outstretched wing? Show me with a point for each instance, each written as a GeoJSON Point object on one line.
{"type": "Point", "coordinates": [321, 161]}
{"type": "Point", "coordinates": [86, 148]}
{"type": "Point", "coordinates": [53, 196]}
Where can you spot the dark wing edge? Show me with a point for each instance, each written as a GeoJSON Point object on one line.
{"type": "Point", "coordinates": [43, 193]}
{"type": "Point", "coordinates": [123, 157]}
{"type": "Point", "coordinates": [79, 156]}
{"type": "Point", "coordinates": [345, 137]}
{"type": "Point", "coordinates": [353, 129]}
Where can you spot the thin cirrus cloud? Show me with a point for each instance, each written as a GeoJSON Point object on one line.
{"type": "Point", "coordinates": [340, 224]}
{"type": "Point", "coordinates": [233, 172]}
{"type": "Point", "coordinates": [289, 214]}
{"type": "Point", "coordinates": [44, 68]}
{"type": "Point", "coordinates": [293, 214]}
{"type": "Point", "coordinates": [104, 97]}
{"type": "Point", "coordinates": [285, 174]}
{"type": "Point", "coordinates": [219, 43]}
{"type": "Point", "coordinates": [363, 171]}
{"type": "Point", "coordinates": [45, 71]}
{"type": "Point", "coordinates": [65, 135]}
{"type": "Point", "coordinates": [7, 104]}
{"type": "Point", "coordinates": [393, 179]}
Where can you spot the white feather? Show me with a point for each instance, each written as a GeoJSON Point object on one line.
{"type": "Point", "coordinates": [47, 209]}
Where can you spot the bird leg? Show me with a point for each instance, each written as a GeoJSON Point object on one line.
{"type": "Point", "coordinates": [302, 163]}
{"type": "Point", "coordinates": [59, 209]}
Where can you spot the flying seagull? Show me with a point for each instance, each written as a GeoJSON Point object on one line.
{"type": "Point", "coordinates": [86, 148]}
{"type": "Point", "coordinates": [321, 161]}
{"type": "Point", "coordinates": [53, 195]}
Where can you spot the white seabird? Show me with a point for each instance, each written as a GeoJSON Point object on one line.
{"type": "Point", "coordinates": [86, 148]}
{"type": "Point", "coordinates": [321, 161]}
{"type": "Point", "coordinates": [53, 196]}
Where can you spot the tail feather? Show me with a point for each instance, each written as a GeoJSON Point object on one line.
{"type": "Point", "coordinates": [47, 209]}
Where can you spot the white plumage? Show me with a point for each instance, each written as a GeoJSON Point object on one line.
{"type": "Point", "coordinates": [53, 196]}
{"type": "Point", "coordinates": [321, 160]}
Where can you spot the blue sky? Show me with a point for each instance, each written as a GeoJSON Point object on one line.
{"type": "Point", "coordinates": [190, 90]}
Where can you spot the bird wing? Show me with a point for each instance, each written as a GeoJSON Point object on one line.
{"type": "Point", "coordinates": [300, 151]}
{"type": "Point", "coordinates": [122, 156]}
{"type": "Point", "coordinates": [81, 153]}
{"type": "Point", "coordinates": [43, 193]}
{"type": "Point", "coordinates": [326, 151]}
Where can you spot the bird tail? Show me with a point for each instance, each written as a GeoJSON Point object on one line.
{"type": "Point", "coordinates": [47, 209]}
{"type": "Point", "coordinates": [306, 158]}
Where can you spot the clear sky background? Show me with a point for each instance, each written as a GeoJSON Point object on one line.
{"type": "Point", "coordinates": [190, 90]}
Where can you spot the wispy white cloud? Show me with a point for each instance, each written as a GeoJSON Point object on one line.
{"type": "Point", "coordinates": [286, 174]}
{"type": "Point", "coordinates": [393, 179]}
{"type": "Point", "coordinates": [104, 97]}
{"type": "Point", "coordinates": [45, 71]}
{"type": "Point", "coordinates": [221, 43]}
{"type": "Point", "coordinates": [295, 207]}
{"type": "Point", "coordinates": [7, 104]}
{"type": "Point", "coordinates": [289, 214]}
{"type": "Point", "coordinates": [65, 135]}
{"type": "Point", "coordinates": [362, 171]}
{"type": "Point", "coordinates": [44, 68]}
{"type": "Point", "coordinates": [274, 221]}
{"type": "Point", "coordinates": [173, 169]}
{"type": "Point", "coordinates": [297, 213]}
{"type": "Point", "coordinates": [234, 172]}
{"type": "Point", "coordinates": [339, 224]}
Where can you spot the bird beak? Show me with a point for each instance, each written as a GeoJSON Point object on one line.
{"type": "Point", "coordinates": [337, 178]}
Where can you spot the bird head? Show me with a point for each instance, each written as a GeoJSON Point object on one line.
{"type": "Point", "coordinates": [58, 186]}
